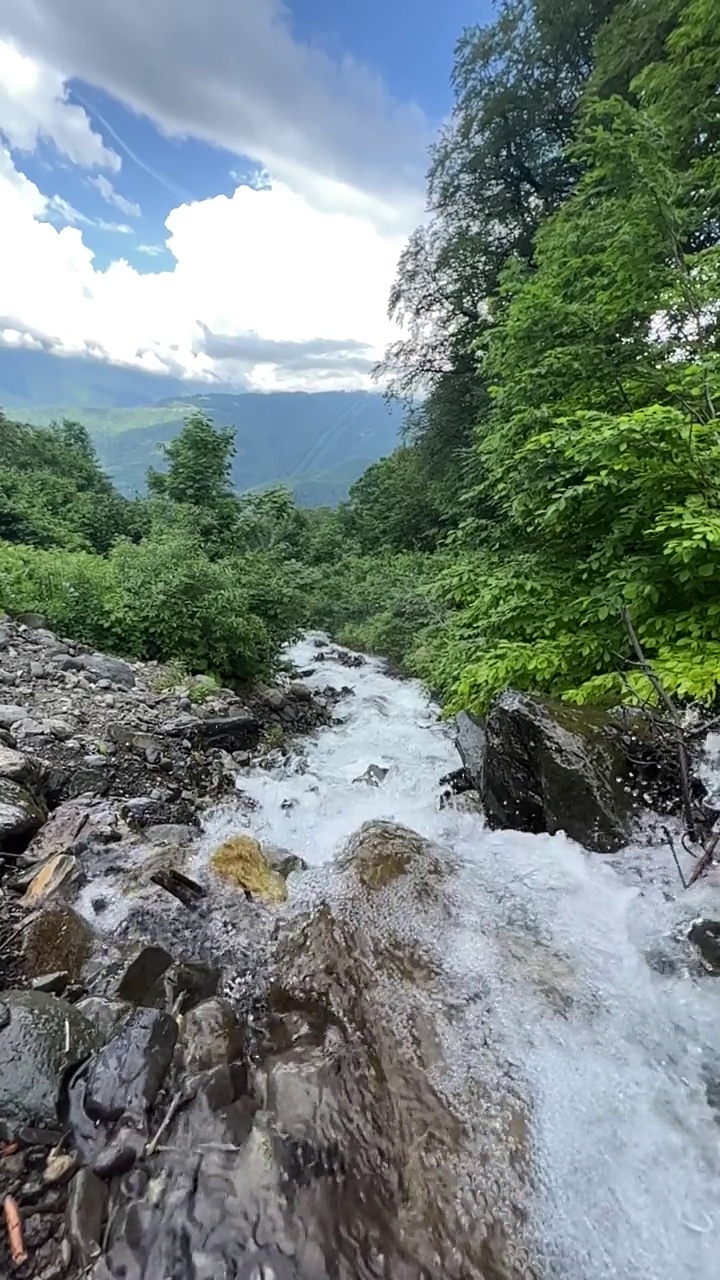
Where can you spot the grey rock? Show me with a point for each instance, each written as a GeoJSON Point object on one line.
{"type": "Point", "coordinates": [146, 966]}
{"type": "Point", "coordinates": [31, 728]}
{"type": "Point", "coordinates": [59, 728]}
{"type": "Point", "coordinates": [233, 733]}
{"type": "Point", "coordinates": [43, 1038]}
{"type": "Point", "coordinates": [77, 824]}
{"type": "Point", "coordinates": [301, 692]}
{"type": "Point", "coordinates": [551, 767]}
{"type": "Point", "coordinates": [105, 1015]}
{"type": "Point", "coordinates": [211, 1036]}
{"type": "Point", "coordinates": [53, 879]}
{"type": "Point", "coordinates": [21, 813]}
{"type": "Point", "coordinates": [118, 672]}
{"type": "Point", "coordinates": [8, 677]}
{"type": "Point", "coordinates": [374, 775]}
{"type": "Point", "coordinates": [55, 984]}
{"type": "Point", "coordinates": [84, 1216]}
{"type": "Point", "coordinates": [470, 742]}
{"type": "Point", "coordinates": [37, 670]}
{"type": "Point", "coordinates": [123, 1079]}
{"type": "Point", "coordinates": [705, 935]}
{"type": "Point", "coordinates": [11, 713]}
{"type": "Point", "coordinates": [274, 698]}
{"type": "Point", "coordinates": [35, 621]}
{"type": "Point", "coordinates": [17, 767]}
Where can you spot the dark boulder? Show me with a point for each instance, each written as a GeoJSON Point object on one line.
{"type": "Point", "coordinates": [41, 1037]}
{"type": "Point", "coordinates": [470, 742]}
{"type": "Point", "coordinates": [551, 767]}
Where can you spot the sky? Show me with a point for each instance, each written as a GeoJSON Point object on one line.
{"type": "Point", "coordinates": [217, 189]}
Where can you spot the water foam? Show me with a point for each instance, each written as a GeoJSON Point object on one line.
{"type": "Point", "coordinates": [580, 968]}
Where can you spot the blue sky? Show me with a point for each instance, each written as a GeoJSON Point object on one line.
{"type": "Point", "coordinates": [233, 169]}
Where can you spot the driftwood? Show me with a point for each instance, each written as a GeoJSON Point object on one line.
{"type": "Point", "coordinates": [697, 830]}
{"type": "Point", "coordinates": [187, 891]}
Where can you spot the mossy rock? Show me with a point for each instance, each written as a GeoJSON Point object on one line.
{"type": "Point", "coordinates": [241, 861]}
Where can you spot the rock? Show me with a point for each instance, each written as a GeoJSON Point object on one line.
{"type": "Point", "coordinates": [35, 621]}
{"type": "Point", "coordinates": [114, 669]}
{"type": "Point", "coordinates": [382, 852]}
{"type": "Point", "coordinates": [59, 728]}
{"type": "Point", "coordinates": [705, 935]}
{"type": "Point", "coordinates": [76, 824]}
{"type": "Point", "coordinates": [11, 714]}
{"type": "Point", "coordinates": [21, 814]}
{"type": "Point", "coordinates": [470, 742]}
{"type": "Point", "coordinates": [120, 1084]}
{"type": "Point", "coordinates": [300, 691]}
{"type": "Point", "coordinates": [17, 767]}
{"type": "Point", "coordinates": [55, 878]}
{"type": "Point", "coordinates": [550, 767]}
{"type": "Point", "coordinates": [44, 1037]}
{"type": "Point", "coordinates": [184, 986]}
{"type": "Point", "coordinates": [54, 984]}
{"type": "Point", "coordinates": [147, 965]}
{"type": "Point", "coordinates": [32, 729]}
{"type": "Point", "coordinates": [275, 698]}
{"type": "Point", "coordinates": [466, 802]}
{"type": "Point", "coordinates": [374, 775]}
{"type": "Point", "coordinates": [57, 938]}
{"type": "Point", "coordinates": [283, 861]}
{"type": "Point", "coordinates": [59, 1167]}
{"type": "Point", "coordinates": [233, 733]}
{"type": "Point", "coordinates": [37, 670]}
{"type": "Point", "coordinates": [8, 677]}
{"type": "Point", "coordinates": [211, 1036]}
{"type": "Point", "coordinates": [105, 1015]}
{"type": "Point", "coordinates": [242, 861]}
{"type": "Point", "coordinates": [84, 1216]}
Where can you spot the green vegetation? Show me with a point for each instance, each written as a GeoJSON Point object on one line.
{"type": "Point", "coordinates": [560, 366]}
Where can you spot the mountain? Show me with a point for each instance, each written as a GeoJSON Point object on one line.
{"type": "Point", "coordinates": [318, 443]}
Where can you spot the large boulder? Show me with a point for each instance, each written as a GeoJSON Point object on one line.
{"type": "Point", "coordinates": [41, 1037]}
{"type": "Point", "coordinates": [470, 742]}
{"type": "Point", "coordinates": [21, 814]}
{"type": "Point", "coordinates": [551, 767]}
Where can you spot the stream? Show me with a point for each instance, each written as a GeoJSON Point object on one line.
{"type": "Point", "coordinates": [563, 993]}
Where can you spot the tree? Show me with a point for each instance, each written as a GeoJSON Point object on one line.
{"type": "Point", "coordinates": [199, 464]}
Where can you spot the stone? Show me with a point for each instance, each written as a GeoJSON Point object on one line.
{"type": "Point", "coordinates": [124, 1077]}
{"type": "Point", "coordinates": [241, 861]}
{"type": "Point", "coordinates": [55, 878]}
{"type": "Point", "coordinates": [59, 728]}
{"type": "Point", "coordinates": [381, 852]}
{"type": "Point", "coordinates": [21, 814]}
{"type": "Point", "coordinates": [35, 621]}
{"type": "Point", "coordinates": [146, 966]}
{"type": "Point", "coordinates": [57, 938]}
{"type": "Point", "coordinates": [274, 698]}
{"type": "Point", "coordinates": [211, 1036]}
{"type": "Point", "coordinates": [470, 743]}
{"type": "Point", "coordinates": [105, 1015]}
{"type": "Point", "coordinates": [86, 820]}
{"type": "Point", "coordinates": [84, 1216]}
{"type": "Point", "coordinates": [374, 775]}
{"type": "Point", "coordinates": [8, 677]}
{"type": "Point", "coordinates": [55, 984]}
{"type": "Point", "coordinates": [705, 935]}
{"type": "Point", "coordinates": [114, 669]}
{"type": "Point", "coordinates": [551, 767]}
{"type": "Point", "coordinates": [43, 1038]}
{"type": "Point", "coordinates": [37, 670]}
{"type": "Point", "coordinates": [300, 691]}
{"type": "Point", "coordinates": [283, 861]}
{"type": "Point", "coordinates": [11, 713]}
{"type": "Point", "coordinates": [184, 986]}
{"type": "Point", "coordinates": [17, 767]}
{"type": "Point", "coordinates": [233, 733]}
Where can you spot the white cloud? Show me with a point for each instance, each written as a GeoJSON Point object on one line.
{"type": "Point", "coordinates": [57, 208]}
{"type": "Point", "coordinates": [231, 73]}
{"type": "Point", "coordinates": [34, 106]}
{"type": "Point", "coordinates": [261, 262]}
{"type": "Point", "coordinates": [129, 207]}
{"type": "Point", "coordinates": [151, 250]}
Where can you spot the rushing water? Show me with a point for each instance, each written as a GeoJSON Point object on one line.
{"type": "Point", "coordinates": [593, 993]}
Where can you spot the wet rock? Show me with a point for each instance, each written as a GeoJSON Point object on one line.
{"type": "Point", "coordinates": [109, 1097]}
{"type": "Point", "coordinates": [57, 938]}
{"type": "Point", "coordinates": [380, 853]}
{"type": "Point", "coordinates": [55, 878]}
{"type": "Point", "coordinates": [86, 1207]}
{"type": "Point", "coordinates": [42, 1039]}
{"type": "Point", "coordinates": [470, 742]}
{"type": "Point", "coordinates": [374, 775]}
{"type": "Point", "coordinates": [21, 813]}
{"type": "Point", "coordinates": [211, 1036]}
{"type": "Point", "coordinates": [550, 767]}
{"type": "Point", "coordinates": [232, 733]}
{"type": "Point", "coordinates": [186, 985]}
{"type": "Point", "coordinates": [141, 974]}
{"type": "Point", "coordinates": [467, 802]}
{"type": "Point", "coordinates": [347, 659]}
{"type": "Point", "coordinates": [75, 825]}
{"type": "Point", "coordinates": [283, 861]}
{"type": "Point", "coordinates": [242, 862]}
{"type": "Point", "coordinates": [54, 984]}
{"type": "Point", "coordinates": [105, 1015]}
{"type": "Point", "coordinates": [705, 935]}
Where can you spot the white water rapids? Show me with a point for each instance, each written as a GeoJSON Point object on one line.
{"type": "Point", "coordinates": [625, 1147]}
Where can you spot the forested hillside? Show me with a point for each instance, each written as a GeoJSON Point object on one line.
{"type": "Point", "coordinates": [560, 365]}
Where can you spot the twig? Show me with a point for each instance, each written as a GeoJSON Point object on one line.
{"type": "Point", "coordinates": [667, 701]}
{"type": "Point", "coordinates": [179, 1100]}
{"type": "Point", "coordinates": [13, 1221]}
{"type": "Point", "coordinates": [673, 851]}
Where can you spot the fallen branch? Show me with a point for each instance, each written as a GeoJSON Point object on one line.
{"type": "Point", "coordinates": [181, 887]}
{"type": "Point", "coordinates": [13, 1221]}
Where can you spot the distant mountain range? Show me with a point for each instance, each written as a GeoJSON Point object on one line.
{"type": "Point", "coordinates": [317, 443]}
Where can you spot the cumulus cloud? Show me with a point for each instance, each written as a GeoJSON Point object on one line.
{"type": "Point", "coordinates": [57, 208]}
{"type": "Point", "coordinates": [263, 286]}
{"type": "Point", "coordinates": [232, 74]}
{"type": "Point", "coordinates": [129, 207]}
{"type": "Point", "coordinates": [34, 105]}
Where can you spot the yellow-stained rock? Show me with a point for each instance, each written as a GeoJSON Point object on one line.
{"type": "Point", "coordinates": [241, 861]}
{"type": "Point", "coordinates": [54, 877]}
